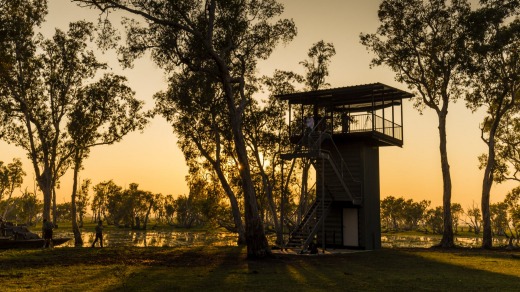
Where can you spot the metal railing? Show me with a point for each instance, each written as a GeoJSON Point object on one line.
{"type": "Point", "coordinates": [358, 123]}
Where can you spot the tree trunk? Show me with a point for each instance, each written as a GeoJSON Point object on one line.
{"type": "Point", "coordinates": [257, 245]}
{"type": "Point", "coordinates": [148, 214]}
{"type": "Point", "coordinates": [487, 182]}
{"type": "Point", "coordinates": [447, 235]}
{"type": "Point", "coordinates": [237, 217]}
{"type": "Point", "coordinates": [54, 214]}
{"type": "Point", "coordinates": [272, 209]}
{"type": "Point", "coordinates": [303, 190]}
{"type": "Point", "coordinates": [44, 182]}
{"type": "Point", "coordinates": [78, 241]}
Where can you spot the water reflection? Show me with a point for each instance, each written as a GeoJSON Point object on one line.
{"type": "Point", "coordinates": [429, 241]}
{"type": "Point", "coordinates": [125, 237]}
{"type": "Point", "coordinates": [141, 238]}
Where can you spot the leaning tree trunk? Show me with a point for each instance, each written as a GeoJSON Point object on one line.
{"type": "Point", "coordinates": [78, 241]}
{"type": "Point", "coordinates": [487, 236]}
{"type": "Point", "coordinates": [447, 234]}
{"type": "Point", "coordinates": [272, 208]}
{"type": "Point", "coordinates": [487, 182]}
{"type": "Point", "coordinates": [235, 209]}
{"type": "Point", "coordinates": [256, 241]}
{"type": "Point", "coordinates": [257, 245]}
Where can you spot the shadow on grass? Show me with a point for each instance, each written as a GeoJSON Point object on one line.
{"type": "Point", "coordinates": [226, 269]}
{"type": "Point", "coordinates": [389, 270]}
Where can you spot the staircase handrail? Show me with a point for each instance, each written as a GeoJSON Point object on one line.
{"type": "Point", "coordinates": [316, 226]}
{"type": "Point", "coordinates": [327, 157]}
{"type": "Point", "coordinates": [343, 163]}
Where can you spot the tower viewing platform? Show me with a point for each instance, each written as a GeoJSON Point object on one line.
{"type": "Point", "coordinates": [370, 112]}
{"type": "Point", "coordinates": [339, 131]}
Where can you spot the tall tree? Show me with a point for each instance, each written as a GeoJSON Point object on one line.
{"type": "Point", "coordinates": [423, 42]}
{"type": "Point", "coordinates": [495, 79]}
{"type": "Point", "coordinates": [198, 114]}
{"type": "Point", "coordinates": [100, 200]}
{"type": "Point", "coordinates": [82, 200]}
{"type": "Point", "coordinates": [105, 111]}
{"type": "Point", "coordinates": [21, 87]}
{"type": "Point", "coordinates": [317, 65]}
{"type": "Point", "coordinates": [273, 136]}
{"type": "Point", "coordinates": [222, 39]}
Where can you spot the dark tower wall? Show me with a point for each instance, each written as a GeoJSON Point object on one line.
{"type": "Point", "coordinates": [362, 179]}
{"type": "Point", "coordinates": [369, 215]}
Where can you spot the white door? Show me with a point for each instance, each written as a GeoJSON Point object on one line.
{"type": "Point", "coordinates": [350, 227]}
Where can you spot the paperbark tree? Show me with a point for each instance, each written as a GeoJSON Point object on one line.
{"type": "Point", "coordinates": [495, 80]}
{"type": "Point", "coordinates": [103, 114]}
{"type": "Point", "coordinates": [18, 71]}
{"type": "Point", "coordinates": [42, 83]}
{"type": "Point", "coordinates": [423, 42]}
{"type": "Point", "coordinates": [197, 112]}
{"type": "Point", "coordinates": [222, 39]}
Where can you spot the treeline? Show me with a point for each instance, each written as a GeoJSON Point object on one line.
{"type": "Point", "coordinates": [398, 214]}
{"type": "Point", "coordinates": [131, 207]}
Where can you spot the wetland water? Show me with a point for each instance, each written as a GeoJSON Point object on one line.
{"type": "Point", "coordinates": [429, 241]}
{"type": "Point", "coordinates": [141, 238]}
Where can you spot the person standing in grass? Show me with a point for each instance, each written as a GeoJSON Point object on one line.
{"type": "Point", "coordinates": [47, 227]}
{"type": "Point", "coordinates": [99, 234]}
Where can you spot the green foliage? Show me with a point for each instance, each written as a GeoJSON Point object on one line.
{"type": "Point", "coordinates": [63, 212]}
{"type": "Point", "coordinates": [24, 209]}
{"type": "Point", "coordinates": [499, 218]}
{"type": "Point", "coordinates": [474, 216]}
{"type": "Point", "coordinates": [11, 177]}
{"type": "Point", "coordinates": [399, 214]}
{"type": "Point", "coordinates": [493, 78]}
{"type": "Point", "coordinates": [513, 208]}
{"type": "Point", "coordinates": [317, 65]}
{"type": "Point", "coordinates": [434, 220]}
{"type": "Point", "coordinates": [99, 204]}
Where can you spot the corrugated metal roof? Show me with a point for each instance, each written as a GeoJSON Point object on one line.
{"type": "Point", "coordinates": [351, 95]}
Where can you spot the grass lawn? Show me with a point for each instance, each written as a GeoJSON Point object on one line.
{"type": "Point", "coordinates": [226, 269]}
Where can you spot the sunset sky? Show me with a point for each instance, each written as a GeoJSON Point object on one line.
{"type": "Point", "coordinates": [153, 160]}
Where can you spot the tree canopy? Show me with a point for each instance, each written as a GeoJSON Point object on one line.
{"type": "Point", "coordinates": [46, 83]}
{"type": "Point", "coordinates": [423, 42]}
{"type": "Point", "coordinates": [222, 41]}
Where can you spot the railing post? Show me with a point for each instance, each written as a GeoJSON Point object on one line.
{"type": "Point", "coordinates": [393, 120]}
{"type": "Point", "coordinates": [323, 204]}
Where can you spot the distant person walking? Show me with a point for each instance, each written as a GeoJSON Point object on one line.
{"type": "Point", "coordinates": [47, 228]}
{"type": "Point", "coordinates": [99, 234]}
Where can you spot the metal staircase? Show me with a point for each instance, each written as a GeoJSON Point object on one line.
{"type": "Point", "coordinates": [304, 233]}
{"type": "Point", "coordinates": [336, 186]}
